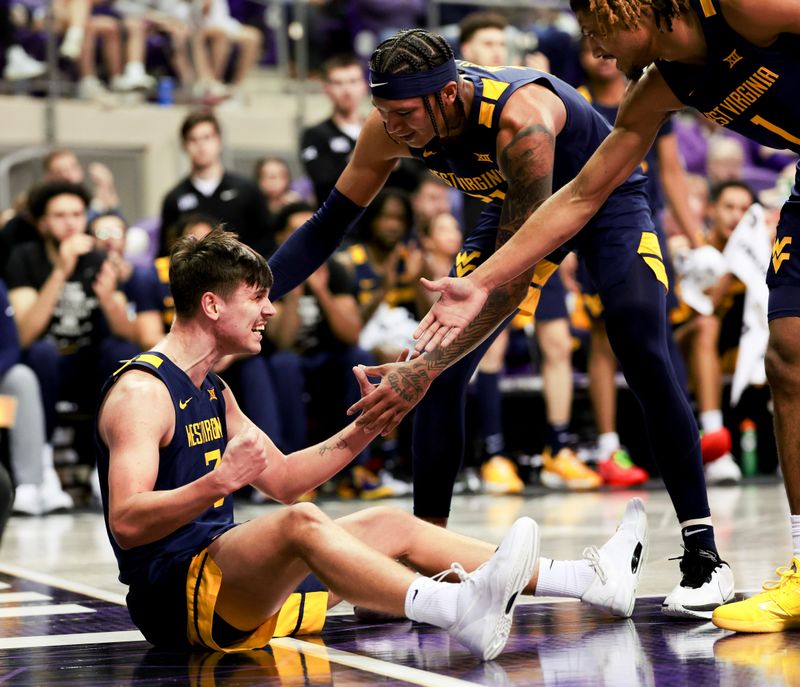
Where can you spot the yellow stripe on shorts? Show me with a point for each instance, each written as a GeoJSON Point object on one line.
{"type": "Point", "coordinates": [542, 272]}
{"type": "Point", "coordinates": [651, 254]}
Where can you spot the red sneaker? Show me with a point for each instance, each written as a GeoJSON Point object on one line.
{"type": "Point", "coordinates": [620, 471]}
{"type": "Point", "coordinates": [715, 444]}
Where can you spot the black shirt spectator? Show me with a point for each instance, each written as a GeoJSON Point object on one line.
{"type": "Point", "coordinates": [236, 201]}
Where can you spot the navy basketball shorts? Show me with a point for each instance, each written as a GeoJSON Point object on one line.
{"type": "Point", "coordinates": [177, 611]}
{"type": "Point", "coordinates": [783, 275]}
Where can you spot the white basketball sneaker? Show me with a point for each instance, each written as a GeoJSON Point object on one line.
{"type": "Point", "coordinates": [707, 583]}
{"type": "Point", "coordinates": [619, 563]}
{"type": "Point", "coordinates": [488, 595]}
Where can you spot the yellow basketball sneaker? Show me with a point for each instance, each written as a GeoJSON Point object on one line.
{"type": "Point", "coordinates": [775, 609]}
{"type": "Point", "coordinates": [567, 471]}
{"type": "Point", "coordinates": [499, 475]}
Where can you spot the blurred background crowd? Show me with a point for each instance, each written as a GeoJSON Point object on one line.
{"type": "Point", "coordinates": [84, 262]}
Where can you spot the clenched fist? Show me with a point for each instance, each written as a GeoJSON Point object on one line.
{"type": "Point", "coordinates": [244, 459]}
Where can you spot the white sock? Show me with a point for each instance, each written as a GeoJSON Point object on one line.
{"type": "Point", "coordinates": [607, 443]}
{"type": "Point", "coordinates": [563, 578]}
{"type": "Point", "coordinates": [432, 602]}
{"type": "Point", "coordinates": [711, 420]}
{"type": "Point", "coordinates": [795, 519]}
{"type": "Point", "coordinates": [134, 68]}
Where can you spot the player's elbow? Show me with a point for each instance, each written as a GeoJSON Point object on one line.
{"type": "Point", "coordinates": [125, 533]}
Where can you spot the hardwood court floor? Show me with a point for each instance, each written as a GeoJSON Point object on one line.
{"type": "Point", "coordinates": [61, 621]}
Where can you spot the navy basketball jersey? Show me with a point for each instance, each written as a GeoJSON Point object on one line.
{"type": "Point", "coordinates": [650, 163]}
{"type": "Point", "coordinates": [196, 449]}
{"type": "Point", "coordinates": [749, 89]}
{"type": "Point", "coordinates": [470, 163]}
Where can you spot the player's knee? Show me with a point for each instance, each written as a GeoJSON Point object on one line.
{"type": "Point", "coordinates": [389, 517]}
{"type": "Point", "coordinates": [782, 367]}
{"type": "Point", "coordinates": [303, 520]}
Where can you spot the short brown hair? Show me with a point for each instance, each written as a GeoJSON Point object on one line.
{"type": "Point", "coordinates": [477, 21]}
{"type": "Point", "coordinates": [198, 117]}
{"type": "Point", "coordinates": [219, 263]}
{"type": "Point", "coordinates": [338, 62]}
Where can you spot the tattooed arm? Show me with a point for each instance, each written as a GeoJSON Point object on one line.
{"type": "Point", "coordinates": [525, 150]}
{"type": "Point", "coordinates": [286, 477]}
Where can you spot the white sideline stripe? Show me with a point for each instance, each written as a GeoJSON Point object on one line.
{"type": "Point", "coordinates": [61, 583]}
{"type": "Point", "coordinates": [5, 585]}
{"type": "Point", "coordinates": [47, 609]}
{"type": "Point", "coordinates": [82, 639]}
{"type": "Point", "coordinates": [371, 665]}
{"type": "Point", "coordinates": [19, 597]}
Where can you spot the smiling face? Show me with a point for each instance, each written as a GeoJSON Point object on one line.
{"type": "Point", "coordinates": [242, 318]}
{"type": "Point", "coordinates": [633, 48]}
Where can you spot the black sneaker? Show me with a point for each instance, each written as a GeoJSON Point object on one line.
{"type": "Point", "coordinates": [707, 582]}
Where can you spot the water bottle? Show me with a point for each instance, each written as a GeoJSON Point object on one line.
{"type": "Point", "coordinates": [166, 91]}
{"type": "Point", "coordinates": [748, 441]}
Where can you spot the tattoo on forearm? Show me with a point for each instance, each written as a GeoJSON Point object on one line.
{"type": "Point", "coordinates": [334, 444]}
{"type": "Point", "coordinates": [527, 162]}
{"type": "Point", "coordinates": [409, 384]}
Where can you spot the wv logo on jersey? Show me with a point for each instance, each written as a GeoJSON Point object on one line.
{"type": "Point", "coordinates": [463, 261]}
{"type": "Point", "coordinates": [780, 252]}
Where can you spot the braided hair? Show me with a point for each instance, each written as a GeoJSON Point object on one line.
{"type": "Point", "coordinates": [416, 50]}
{"type": "Point", "coordinates": [627, 12]}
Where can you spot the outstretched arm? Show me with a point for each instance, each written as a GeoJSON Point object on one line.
{"type": "Point", "coordinates": [526, 148]}
{"type": "Point", "coordinates": [285, 478]}
{"type": "Point", "coordinates": [312, 244]}
{"type": "Point", "coordinates": [565, 213]}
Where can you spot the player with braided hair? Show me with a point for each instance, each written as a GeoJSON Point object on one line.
{"type": "Point", "coordinates": [738, 63]}
{"type": "Point", "coordinates": [510, 137]}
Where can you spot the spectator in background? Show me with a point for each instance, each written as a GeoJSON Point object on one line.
{"type": "Point", "coordinates": [386, 267]}
{"type": "Point", "coordinates": [82, 32]}
{"type": "Point", "coordinates": [223, 31]}
{"type": "Point", "coordinates": [70, 316]}
{"type": "Point", "coordinates": [229, 198]}
{"type": "Point", "coordinates": [482, 38]}
{"type": "Point", "coordinates": [274, 178]}
{"type": "Point", "coordinates": [140, 286]}
{"type": "Point", "coordinates": [325, 148]}
{"type": "Point", "coordinates": [59, 164]}
{"type": "Point", "coordinates": [38, 489]}
{"type": "Point", "coordinates": [715, 324]}
{"type": "Point", "coordinates": [724, 159]}
{"type": "Point", "coordinates": [441, 239]}
{"type": "Point", "coordinates": [140, 18]}
{"type": "Point", "coordinates": [19, 65]}
{"type": "Point", "coordinates": [63, 163]}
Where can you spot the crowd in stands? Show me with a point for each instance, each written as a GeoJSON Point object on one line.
{"type": "Point", "coordinates": [81, 302]}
